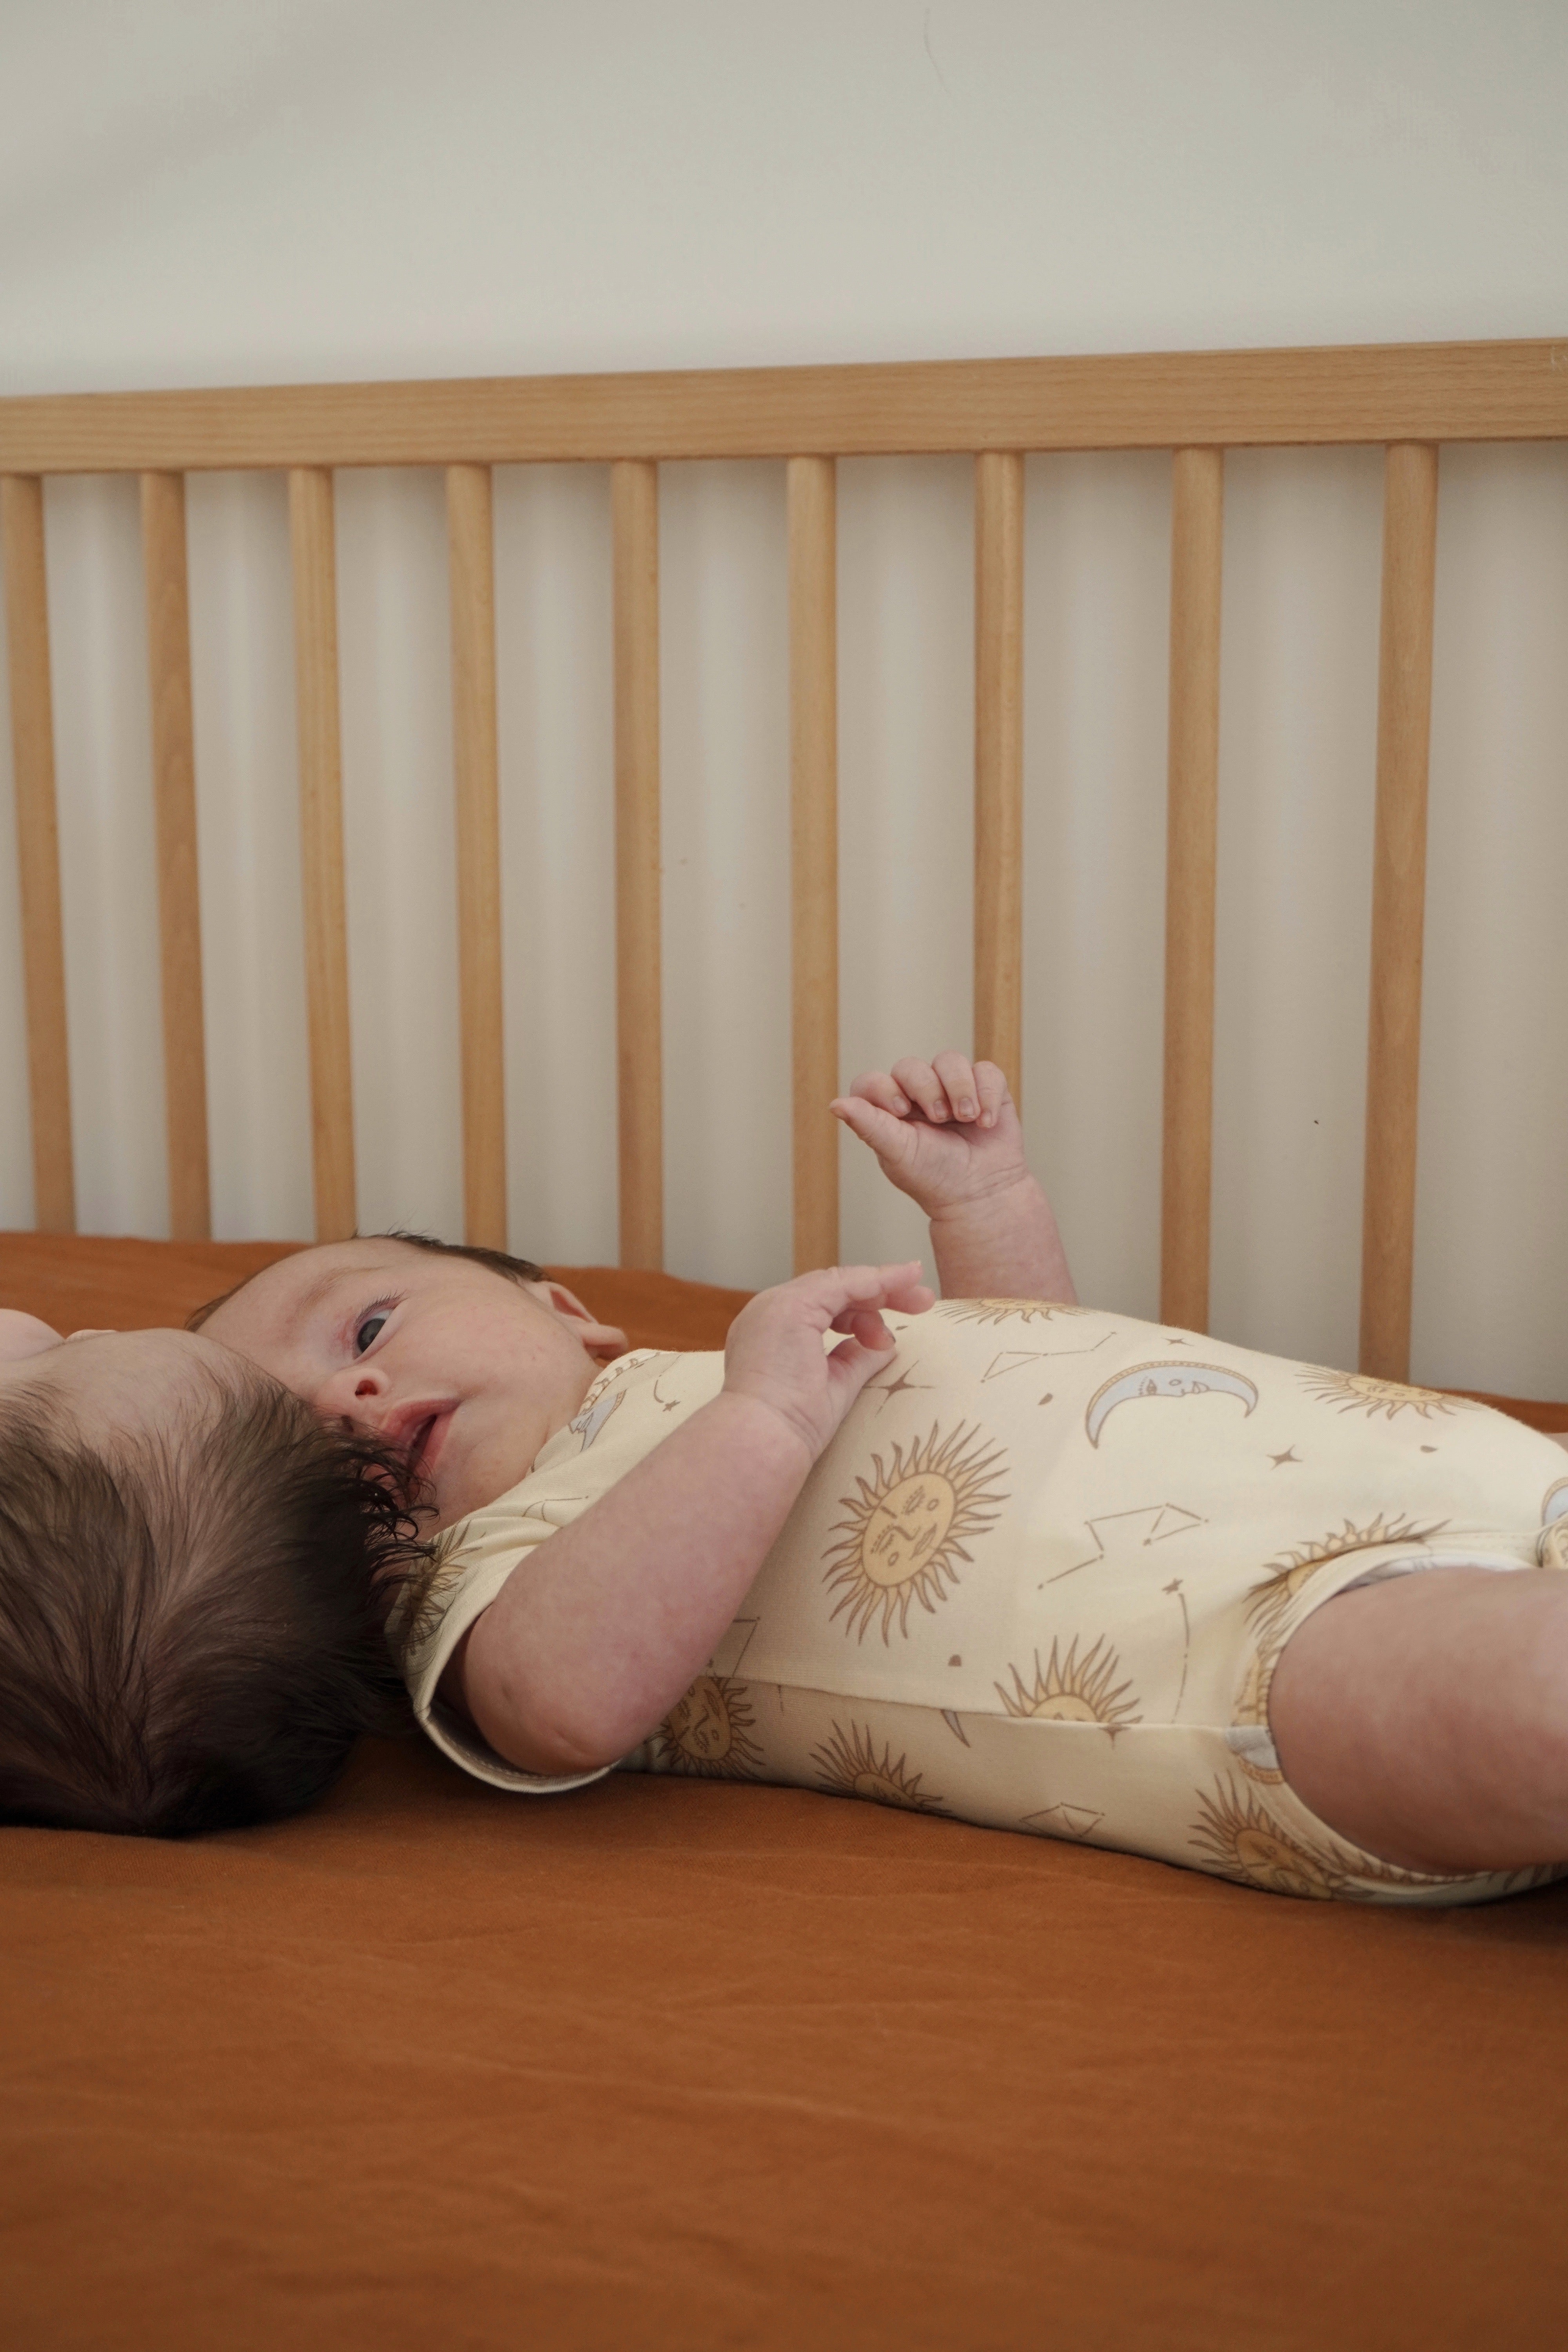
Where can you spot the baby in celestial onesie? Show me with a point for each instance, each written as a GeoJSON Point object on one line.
{"type": "Point", "coordinates": [1001, 1557]}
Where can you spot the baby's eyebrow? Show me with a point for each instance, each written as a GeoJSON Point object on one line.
{"type": "Point", "coordinates": [309, 1300]}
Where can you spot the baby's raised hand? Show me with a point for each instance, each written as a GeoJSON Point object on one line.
{"type": "Point", "coordinates": [774, 1352]}
{"type": "Point", "coordinates": [945, 1131]}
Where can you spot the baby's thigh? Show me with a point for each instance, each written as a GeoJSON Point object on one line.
{"type": "Point", "coordinates": [1426, 1719]}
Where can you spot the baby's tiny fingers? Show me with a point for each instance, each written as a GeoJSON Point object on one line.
{"type": "Point", "coordinates": [992, 1085]}
{"type": "Point", "coordinates": [957, 1076]}
{"type": "Point", "coordinates": [876, 1086]}
{"type": "Point", "coordinates": [884, 1130]}
{"type": "Point", "coordinates": [924, 1089]}
{"type": "Point", "coordinates": [865, 1324]}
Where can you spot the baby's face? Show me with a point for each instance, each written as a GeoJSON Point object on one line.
{"type": "Point", "coordinates": [469, 1371]}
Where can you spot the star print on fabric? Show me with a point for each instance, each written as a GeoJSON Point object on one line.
{"type": "Point", "coordinates": [885, 1389]}
{"type": "Point", "coordinates": [1279, 1460]}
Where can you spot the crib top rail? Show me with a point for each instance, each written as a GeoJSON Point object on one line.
{"type": "Point", "coordinates": [1139, 400]}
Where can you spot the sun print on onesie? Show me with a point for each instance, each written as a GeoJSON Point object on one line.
{"type": "Point", "coordinates": [1239, 1838]}
{"type": "Point", "coordinates": [1286, 1577]}
{"type": "Point", "coordinates": [849, 1766]}
{"type": "Point", "coordinates": [907, 1528]}
{"type": "Point", "coordinates": [1362, 1392]}
{"type": "Point", "coordinates": [1005, 1310]}
{"type": "Point", "coordinates": [1073, 1689]}
{"type": "Point", "coordinates": [707, 1732]}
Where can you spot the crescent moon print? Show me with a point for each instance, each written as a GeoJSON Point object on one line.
{"type": "Point", "coordinates": [1167, 1380]}
{"type": "Point", "coordinates": [592, 1417]}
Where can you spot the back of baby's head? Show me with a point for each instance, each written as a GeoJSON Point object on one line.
{"type": "Point", "coordinates": [191, 1625]}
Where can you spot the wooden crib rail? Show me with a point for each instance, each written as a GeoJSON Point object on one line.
{"type": "Point", "coordinates": [38, 852]}
{"type": "Point", "coordinates": [476, 776]}
{"type": "Point", "coordinates": [639, 1048]}
{"type": "Point", "coordinates": [1407, 398]}
{"type": "Point", "coordinates": [179, 896]}
{"type": "Point", "coordinates": [1398, 906]}
{"type": "Point", "coordinates": [1192, 826]}
{"type": "Point", "coordinates": [1371, 393]}
{"type": "Point", "coordinates": [813, 854]}
{"type": "Point", "coordinates": [315, 545]}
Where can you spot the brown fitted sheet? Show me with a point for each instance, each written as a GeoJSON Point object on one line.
{"type": "Point", "coordinates": [666, 2064]}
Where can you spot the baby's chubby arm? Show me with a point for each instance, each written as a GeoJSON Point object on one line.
{"type": "Point", "coordinates": [594, 1639]}
{"type": "Point", "coordinates": [946, 1132]}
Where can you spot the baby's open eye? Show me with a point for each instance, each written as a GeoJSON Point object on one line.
{"type": "Point", "coordinates": [368, 1331]}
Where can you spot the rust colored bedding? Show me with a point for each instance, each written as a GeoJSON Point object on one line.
{"type": "Point", "coordinates": [670, 2064]}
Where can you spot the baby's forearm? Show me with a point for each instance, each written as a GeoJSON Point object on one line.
{"type": "Point", "coordinates": [597, 1633]}
{"type": "Point", "coordinates": [1004, 1246]}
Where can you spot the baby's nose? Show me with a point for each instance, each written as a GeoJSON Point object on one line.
{"type": "Point", "coordinates": [357, 1395]}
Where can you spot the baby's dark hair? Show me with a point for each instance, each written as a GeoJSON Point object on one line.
{"type": "Point", "coordinates": [515, 1269]}
{"type": "Point", "coordinates": [192, 1625]}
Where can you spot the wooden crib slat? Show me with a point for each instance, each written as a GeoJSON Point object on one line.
{"type": "Point", "coordinates": [814, 853]}
{"type": "Point", "coordinates": [471, 550]}
{"type": "Point", "coordinates": [174, 806]}
{"type": "Point", "coordinates": [1399, 905]}
{"type": "Point", "coordinates": [1197, 499]}
{"type": "Point", "coordinates": [38, 852]}
{"type": "Point", "coordinates": [999, 762]}
{"type": "Point", "coordinates": [634, 508]}
{"type": "Point", "coordinates": [310, 524]}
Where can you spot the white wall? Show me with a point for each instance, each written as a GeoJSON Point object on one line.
{"type": "Point", "coordinates": [213, 191]}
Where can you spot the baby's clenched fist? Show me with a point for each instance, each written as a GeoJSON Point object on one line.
{"type": "Point", "coordinates": [944, 1131]}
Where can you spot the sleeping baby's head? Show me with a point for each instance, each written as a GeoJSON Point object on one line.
{"type": "Point", "coordinates": [464, 1359]}
{"type": "Point", "coordinates": [194, 1576]}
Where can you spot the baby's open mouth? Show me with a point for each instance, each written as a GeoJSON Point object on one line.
{"type": "Point", "coordinates": [425, 1441]}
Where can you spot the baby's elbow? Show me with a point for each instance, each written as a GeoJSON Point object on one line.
{"type": "Point", "coordinates": [530, 1728]}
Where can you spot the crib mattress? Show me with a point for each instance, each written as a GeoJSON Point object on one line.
{"type": "Point", "coordinates": [678, 2062]}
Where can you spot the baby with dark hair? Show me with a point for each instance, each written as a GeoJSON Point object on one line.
{"type": "Point", "coordinates": [996, 1555]}
{"type": "Point", "coordinates": [195, 1575]}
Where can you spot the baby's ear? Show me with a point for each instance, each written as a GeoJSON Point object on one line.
{"type": "Point", "coordinates": [605, 1341]}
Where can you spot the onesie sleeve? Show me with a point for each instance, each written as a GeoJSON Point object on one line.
{"type": "Point", "coordinates": [456, 1591]}
{"type": "Point", "coordinates": [629, 1409]}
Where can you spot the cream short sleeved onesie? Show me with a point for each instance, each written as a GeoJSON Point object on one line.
{"type": "Point", "coordinates": [1041, 1577]}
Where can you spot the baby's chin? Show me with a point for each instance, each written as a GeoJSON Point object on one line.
{"type": "Point", "coordinates": [458, 1494]}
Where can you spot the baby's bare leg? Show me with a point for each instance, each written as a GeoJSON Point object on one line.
{"type": "Point", "coordinates": [1426, 1718]}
